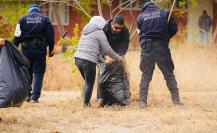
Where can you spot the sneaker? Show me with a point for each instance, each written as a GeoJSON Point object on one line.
{"type": "Point", "coordinates": [143, 105]}
{"type": "Point", "coordinates": [35, 101]}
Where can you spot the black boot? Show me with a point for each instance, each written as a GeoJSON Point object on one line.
{"type": "Point", "coordinates": [176, 98]}
{"type": "Point", "coordinates": [86, 105]}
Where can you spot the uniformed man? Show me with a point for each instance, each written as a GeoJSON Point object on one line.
{"type": "Point", "coordinates": [35, 32]}
{"type": "Point", "coordinates": [155, 34]}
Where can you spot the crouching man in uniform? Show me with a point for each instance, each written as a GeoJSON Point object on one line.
{"type": "Point", "coordinates": [35, 32]}
{"type": "Point", "coordinates": [155, 34]}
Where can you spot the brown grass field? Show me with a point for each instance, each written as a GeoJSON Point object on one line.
{"type": "Point", "coordinates": [60, 108]}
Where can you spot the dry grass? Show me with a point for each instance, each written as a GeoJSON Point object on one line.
{"type": "Point", "coordinates": [60, 107]}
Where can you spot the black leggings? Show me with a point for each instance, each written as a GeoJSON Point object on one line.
{"type": "Point", "coordinates": [88, 72]}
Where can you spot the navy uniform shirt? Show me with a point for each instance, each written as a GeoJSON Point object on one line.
{"type": "Point", "coordinates": [153, 24]}
{"type": "Point", "coordinates": [34, 25]}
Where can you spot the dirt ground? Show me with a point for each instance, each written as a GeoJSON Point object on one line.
{"type": "Point", "coordinates": [60, 109]}
{"type": "Point", "coordinates": [62, 112]}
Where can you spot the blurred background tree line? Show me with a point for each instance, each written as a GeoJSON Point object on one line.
{"type": "Point", "coordinates": [12, 10]}
{"type": "Point", "coordinates": [10, 13]}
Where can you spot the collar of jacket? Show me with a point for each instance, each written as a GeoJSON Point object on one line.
{"type": "Point", "coordinates": [108, 25]}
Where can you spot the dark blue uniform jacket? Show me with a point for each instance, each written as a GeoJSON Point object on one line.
{"type": "Point", "coordinates": [35, 25]}
{"type": "Point", "coordinates": [153, 24]}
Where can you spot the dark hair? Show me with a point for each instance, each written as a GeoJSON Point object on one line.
{"type": "Point", "coordinates": [118, 20]}
{"type": "Point", "coordinates": [204, 12]}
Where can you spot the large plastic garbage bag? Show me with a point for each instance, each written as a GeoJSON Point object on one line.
{"type": "Point", "coordinates": [14, 77]}
{"type": "Point", "coordinates": [113, 84]}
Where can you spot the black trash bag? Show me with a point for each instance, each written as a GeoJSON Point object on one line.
{"type": "Point", "coordinates": [14, 77]}
{"type": "Point", "coordinates": [113, 84]}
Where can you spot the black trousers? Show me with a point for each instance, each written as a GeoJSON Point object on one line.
{"type": "Point", "coordinates": [35, 52]}
{"type": "Point", "coordinates": [158, 53]}
{"type": "Point", "coordinates": [88, 72]}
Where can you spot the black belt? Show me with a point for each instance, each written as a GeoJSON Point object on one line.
{"type": "Point", "coordinates": [151, 43]}
{"type": "Point", "coordinates": [35, 44]}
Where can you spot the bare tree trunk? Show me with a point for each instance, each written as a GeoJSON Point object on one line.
{"type": "Point", "coordinates": [58, 19]}
{"type": "Point", "coordinates": [99, 8]}
{"type": "Point", "coordinates": [60, 26]}
{"type": "Point", "coordinates": [109, 2]}
{"type": "Point", "coordinates": [132, 16]}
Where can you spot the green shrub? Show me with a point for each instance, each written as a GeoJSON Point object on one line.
{"type": "Point", "coordinates": [72, 46]}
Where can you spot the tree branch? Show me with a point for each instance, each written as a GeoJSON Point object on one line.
{"type": "Point", "coordinates": [82, 9]}
{"type": "Point", "coordinates": [121, 5]}
{"type": "Point", "coordinates": [58, 19]}
{"type": "Point", "coordinates": [99, 8]}
{"type": "Point", "coordinates": [68, 2]}
{"type": "Point", "coordinates": [123, 8]}
{"type": "Point", "coordinates": [134, 33]}
{"type": "Point", "coordinates": [132, 16]}
{"type": "Point", "coordinates": [109, 2]}
{"type": "Point", "coordinates": [171, 10]}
